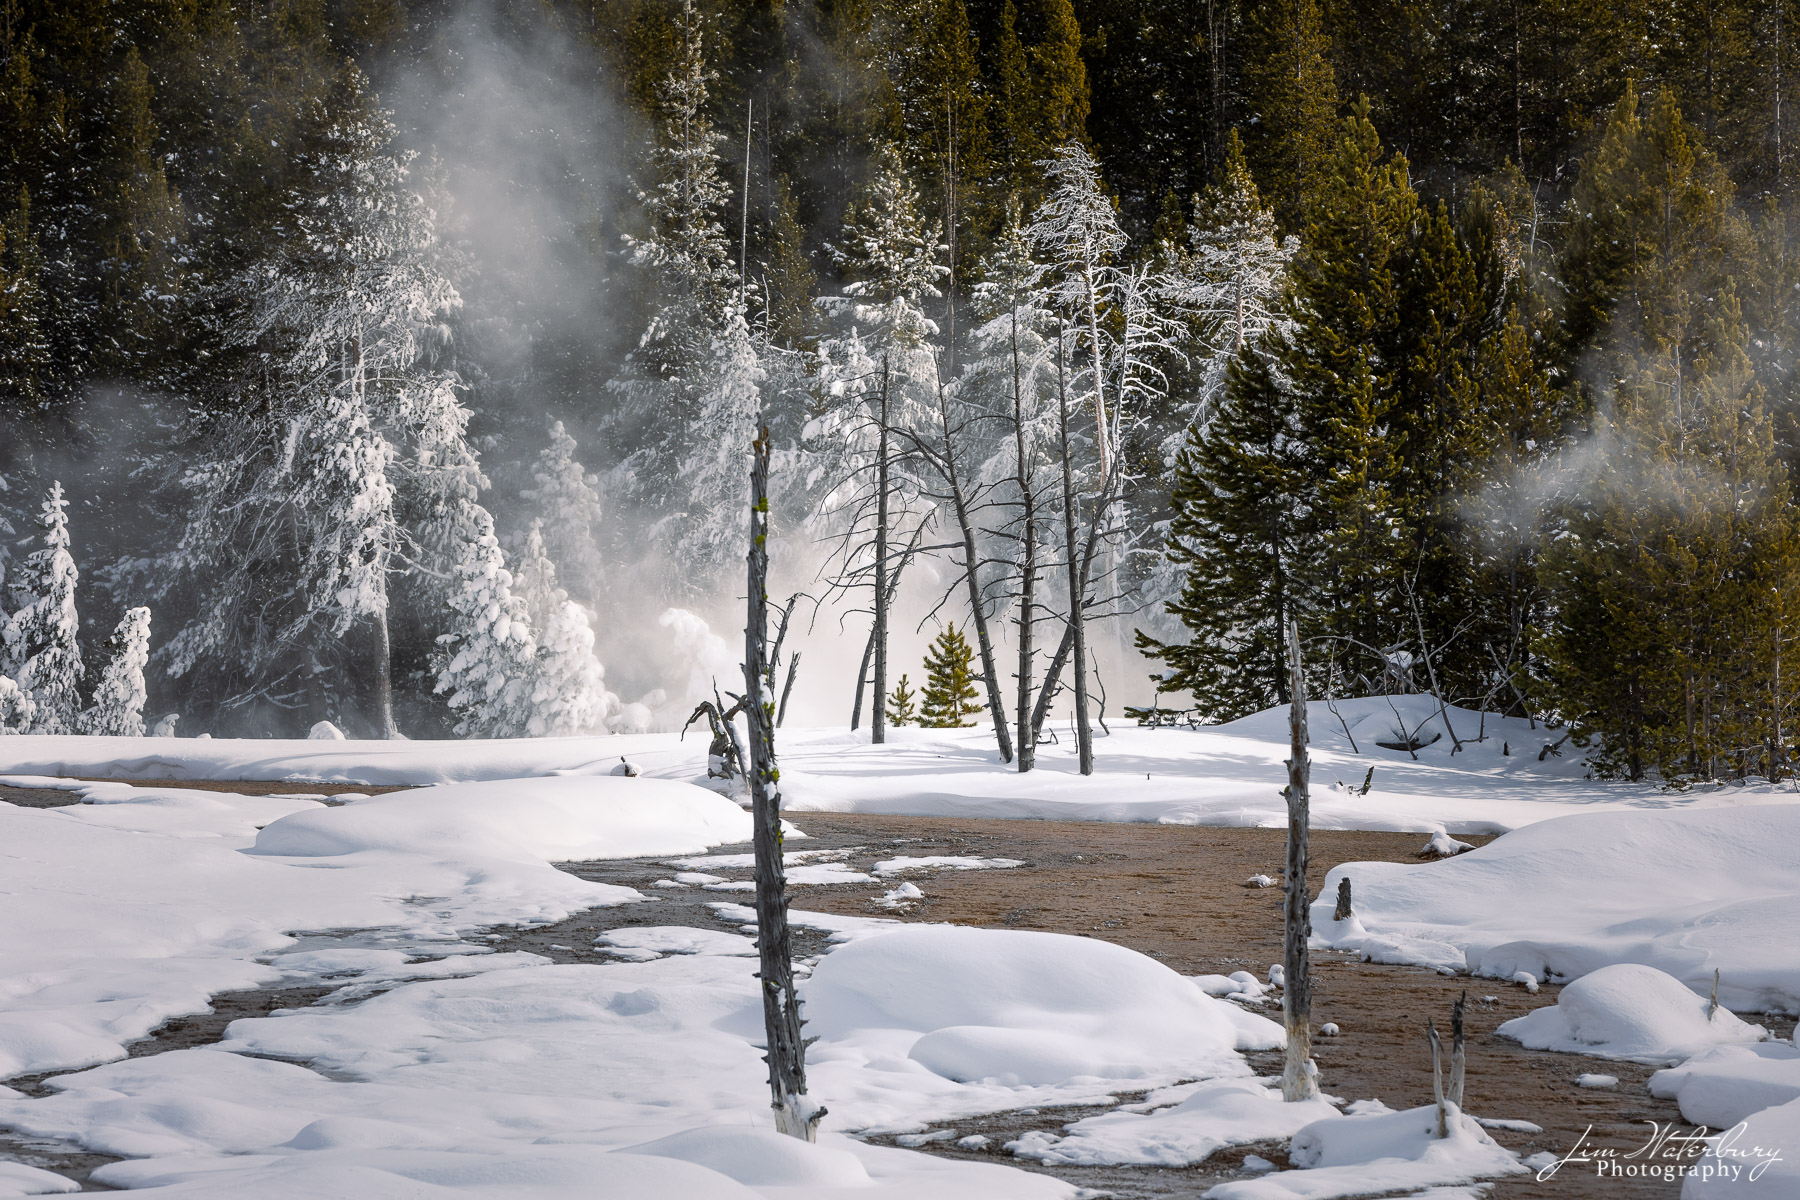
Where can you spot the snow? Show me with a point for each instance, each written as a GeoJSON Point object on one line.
{"type": "Point", "coordinates": [534, 820]}
{"type": "Point", "coordinates": [925, 1022]}
{"type": "Point", "coordinates": [1684, 891]}
{"type": "Point", "coordinates": [944, 862]}
{"type": "Point", "coordinates": [1631, 1012]}
{"type": "Point", "coordinates": [1216, 1115]}
{"type": "Point", "coordinates": [17, 1179]}
{"type": "Point", "coordinates": [1226, 775]}
{"type": "Point", "coordinates": [1751, 1161]}
{"type": "Point", "coordinates": [1726, 1084]}
{"type": "Point", "coordinates": [462, 1075]}
{"type": "Point", "coordinates": [1594, 1080]}
{"type": "Point", "coordinates": [140, 904]}
{"type": "Point", "coordinates": [1378, 1153]}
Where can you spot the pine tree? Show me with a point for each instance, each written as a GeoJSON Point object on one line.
{"type": "Point", "coordinates": [690, 272]}
{"type": "Point", "coordinates": [487, 663]}
{"type": "Point", "coordinates": [1345, 372]}
{"type": "Point", "coordinates": [708, 532]}
{"type": "Point", "coordinates": [25, 353]}
{"type": "Point", "coordinates": [900, 710]}
{"type": "Point", "coordinates": [568, 695]}
{"type": "Point", "coordinates": [16, 708]}
{"type": "Point", "coordinates": [144, 230]}
{"type": "Point", "coordinates": [1229, 278]}
{"type": "Point", "coordinates": [304, 485]}
{"type": "Point", "coordinates": [950, 698]}
{"type": "Point", "coordinates": [567, 502]}
{"type": "Point", "coordinates": [1294, 99]}
{"type": "Point", "coordinates": [118, 707]}
{"type": "Point", "coordinates": [1664, 632]}
{"type": "Point", "coordinates": [534, 577]}
{"type": "Point", "coordinates": [1235, 539]}
{"type": "Point", "coordinates": [43, 652]}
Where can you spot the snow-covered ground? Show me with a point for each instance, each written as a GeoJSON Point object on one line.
{"type": "Point", "coordinates": [446, 1070]}
{"type": "Point", "coordinates": [1646, 912]}
{"type": "Point", "coordinates": [442, 1069]}
{"type": "Point", "coordinates": [1226, 775]}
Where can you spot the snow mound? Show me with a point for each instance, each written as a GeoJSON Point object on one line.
{"type": "Point", "coordinates": [1022, 1008]}
{"type": "Point", "coordinates": [1216, 1115]}
{"type": "Point", "coordinates": [545, 820]}
{"type": "Point", "coordinates": [1378, 1153]}
{"type": "Point", "coordinates": [760, 1157]}
{"type": "Point", "coordinates": [1683, 890]}
{"type": "Point", "coordinates": [1632, 1012]}
{"type": "Point", "coordinates": [1752, 1161]}
{"type": "Point", "coordinates": [1724, 1085]}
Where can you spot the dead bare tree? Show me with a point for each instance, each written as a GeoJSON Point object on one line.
{"type": "Point", "coordinates": [1084, 739]}
{"type": "Point", "coordinates": [1299, 1078]}
{"type": "Point", "coordinates": [942, 455]}
{"type": "Point", "coordinates": [795, 1113]}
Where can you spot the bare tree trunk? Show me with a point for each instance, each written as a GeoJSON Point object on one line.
{"type": "Point", "coordinates": [878, 716]}
{"type": "Point", "coordinates": [984, 642]}
{"type": "Point", "coordinates": [1084, 742]}
{"type": "Point", "coordinates": [795, 1114]}
{"type": "Point", "coordinates": [787, 689]}
{"type": "Point", "coordinates": [1064, 647]}
{"type": "Point", "coordinates": [1299, 1079]}
{"type": "Point", "coordinates": [383, 654]}
{"type": "Point", "coordinates": [862, 681]}
{"type": "Point", "coordinates": [1028, 564]}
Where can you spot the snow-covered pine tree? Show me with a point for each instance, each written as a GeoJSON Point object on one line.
{"type": "Point", "coordinates": [1228, 281]}
{"type": "Point", "coordinates": [42, 638]}
{"type": "Point", "coordinates": [950, 695]}
{"type": "Point", "coordinates": [535, 577]}
{"type": "Point", "coordinates": [569, 693]}
{"type": "Point", "coordinates": [302, 487]}
{"type": "Point", "coordinates": [690, 274]}
{"type": "Point", "coordinates": [118, 707]}
{"type": "Point", "coordinates": [710, 532]}
{"type": "Point", "coordinates": [16, 708]}
{"type": "Point", "coordinates": [567, 500]}
{"type": "Point", "coordinates": [487, 663]}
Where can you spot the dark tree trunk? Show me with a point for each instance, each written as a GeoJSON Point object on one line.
{"type": "Point", "coordinates": [878, 715]}
{"type": "Point", "coordinates": [795, 1114]}
{"type": "Point", "coordinates": [1299, 1080]}
{"type": "Point", "coordinates": [1028, 561]}
{"type": "Point", "coordinates": [1084, 742]}
{"type": "Point", "coordinates": [984, 642]}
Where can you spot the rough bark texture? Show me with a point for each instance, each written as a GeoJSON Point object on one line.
{"type": "Point", "coordinates": [795, 1114]}
{"type": "Point", "coordinates": [878, 714]}
{"type": "Point", "coordinates": [1299, 1079]}
{"type": "Point", "coordinates": [383, 654]}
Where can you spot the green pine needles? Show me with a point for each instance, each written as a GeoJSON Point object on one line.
{"type": "Point", "coordinates": [950, 697]}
